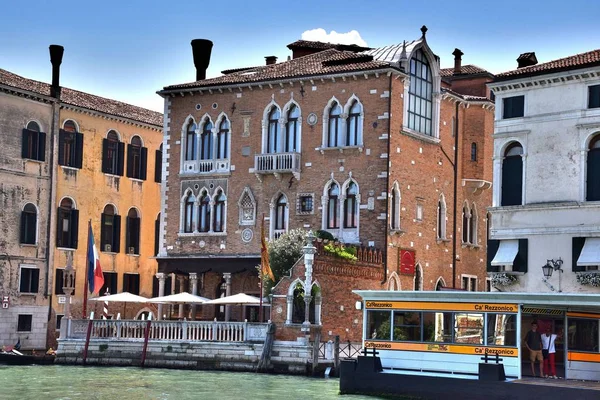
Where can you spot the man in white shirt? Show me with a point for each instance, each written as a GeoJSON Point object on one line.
{"type": "Point", "coordinates": [549, 351]}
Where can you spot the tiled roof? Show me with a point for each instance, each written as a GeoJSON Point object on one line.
{"type": "Point", "coordinates": [577, 61]}
{"type": "Point", "coordinates": [468, 69]}
{"type": "Point", "coordinates": [84, 100]}
{"type": "Point", "coordinates": [232, 70]}
{"type": "Point", "coordinates": [325, 62]}
{"type": "Point", "coordinates": [392, 53]}
{"type": "Point", "coordinates": [466, 96]}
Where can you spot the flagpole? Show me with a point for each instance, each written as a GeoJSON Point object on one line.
{"type": "Point", "coordinates": [260, 272]}
{"type": "Point", "coordinates": [87, 262]}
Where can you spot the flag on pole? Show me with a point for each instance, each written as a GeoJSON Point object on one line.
{"type": "Point", "coordinates": [95, 277]}
{"type": "Point", "coordinates": [265, 266]}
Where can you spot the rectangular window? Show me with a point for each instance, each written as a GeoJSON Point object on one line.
{"type": "Point", "coordinates": [59, 282]}
{"type": "Point", "coordinates": [469, 283]}
{"type": "Point", "coordinates": [594, 96]}
{"type": "Point", "coordinates": [33, 145]}
{"type": "Point", "coordinates": [131, 283]}
{"type": "Point", "coordinates": [501, 329]}
{"type": "Point", "coordinates": [29, 280]}
{"type": "Point", "coordinates": [488, 284]}
{"type": "Point", "coordinates": [514, 107]}
{"type": "Point", "coordinates": [583, 334]}
{"type": "Point", "coordinates": [24, 323]}
{"type": "Point", "coordinates": [110, 283]}
{"type": "Point", "coordinates": [305, 204]}
{"type": "Point", "coordinates": [438, 327]}
{"type": "Point", "coordinates": [59, 318]}
{"type": "Point", "coordinates": [419, 216]}
{"type": "Point", "coordinates": [407, 326]}
{"type": "Point", "coordinates": [468, 328]}
{"type": "Point", "coordinates": [378, 325]}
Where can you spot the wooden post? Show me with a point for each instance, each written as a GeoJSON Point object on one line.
{"type": "Point", "coordinates": [87, 340]}
{"type": "Point", "coordinates": [336, 352]}
{"type": "Point", "coordinates": [146, 337]}
{"type": "Point", "coordinates": [316, 344]}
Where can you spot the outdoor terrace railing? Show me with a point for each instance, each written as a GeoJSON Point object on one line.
{"type": "Point", "coordinates": [187, 331]}
{"type": "Point", "coordinates": [277, 162]}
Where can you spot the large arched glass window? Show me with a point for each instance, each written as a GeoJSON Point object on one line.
{"type": "Point", "coordinates": [420, 94]}
{"type": "Point", "coordinates": [190, 142]}
{"type": "Point", "coordinates": [334, 126]}
{"type": "Point", "coordinates": [273, 130]}
{"type": "Point", "coordinates": [206, 140]}
{"type": "Point", "coordinates": [113, 154]}
{"type": "Point", "coordinates": [593, 170]}
{"type": "Point", "coordinates": [222, 139]}
{"type": "Point", "coordinates": [350, 206]}
{"type": "Point", "coordinates": [281, 213]}
{"type": "Point", "coordinates": [333, 196]}
{"type": "Point", "coordinates": [29, 224]}
{"type": "Point", "coordinates": [512, 176]}
{"type": "Point", "coordinates": [353, 124]}
{"type": "Point", "coordinates": [188, 213]}
{"type": "Point", "coordinates": [204, 214]}
{"type": "Point", "coordinates": [219, 215]}
{"type": "Point", "coordinates": [110, 230]}
{"type": "Point", "coordinates": [291, 129]}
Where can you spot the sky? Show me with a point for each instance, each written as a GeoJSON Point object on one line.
{"type": "Point", "coordinates": [127, 50]}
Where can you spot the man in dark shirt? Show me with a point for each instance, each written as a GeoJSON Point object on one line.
{"type": "Point", "coordinates": [533, 342]}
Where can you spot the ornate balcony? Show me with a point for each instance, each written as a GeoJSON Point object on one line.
{"type": "Point", "coordinates": [277, 164]}
{"type": "Point", "coordinates": [220, 166]}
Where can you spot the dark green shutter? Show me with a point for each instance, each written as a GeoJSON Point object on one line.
{"type": "Point", "coordinates": [103, 240]}
{"type": "Point", "coordinates": [593, 175]}
{"type": "Point", "coordinates": [156, 235]}
{"type": "Point", "coordinates": [492, 249]}
{"type": "Point", "coordinates": [154, 286]}
{"type": "Point", "coordinates": [59, 222]}
{"type": "Point", "coordinates": [78, 160]}
{"type": "Point", "coordinates": [158, 167]}
{"type": "Point", "coordinates": [105, 166]}
{"type": "Point", "coordinates": [35, 280]}
{"type": "Point", "coordinates": [25, 144]}
{"type": "Point", "coordinates": [41, 146]}
{"type": "Point", "coordinates": [135, 238]}
{"type": "Point", "coordinates": [23, 227]}
{"type": "Point", "coordinates": [578, 243]}
{"type": "Point", "coordinates": [116, 234]}
{"type": "Point", "coordinates": [512, 181]}
{"type": "Point", "coordinates": [74, 228]}
{"type": "Point", "coordinates": [130, 173]}
{"type": "Point", "coordinates": [58, 281]}
{"type": "Point", "coordinates": [520, 263]}
{"type": "Point", "coordinates": [143, 163]}
{"type": "Point", "coordinates": [61, 147]}
{"type": "Point", "coordinates": [127, 234]}
{"type": "Point", "coordinates": [121, 156]}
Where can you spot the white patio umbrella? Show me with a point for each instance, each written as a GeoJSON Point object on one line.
{"type": "Point", "coordinates": [179, 298]}
{"type": "Point", "coordinates": [240, 298]}
{"type": "Point", "coordinates": [123, 297]}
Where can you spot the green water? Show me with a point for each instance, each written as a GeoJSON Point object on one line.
{"type": "Point", "coordinates": [107, 383]}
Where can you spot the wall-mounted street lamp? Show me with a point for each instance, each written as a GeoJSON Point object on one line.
{"type": "Point", "coordinates": [549, 268]}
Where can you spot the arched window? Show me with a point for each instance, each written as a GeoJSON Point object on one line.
{"type": "Point", "coordinates": [110, 230]}
{"type": "Point", "coordinates": [133, 232]}
{"type": "Point", "coordinates": [34, 142]}
{"type": "Point", "coordinates": [440, 284]}
{"type": "Point", "coordinates": [222, 139]}
{"type": "Point", "coordinates": [353, 124]}
{"type": "Point", "coordinates": [593, 170]}
{"type": "Point", "coordinates": [291, 130]}
{"type": "Point", "coordinates": [206, 141]}
{"type": "Point", "coordinates": [350, 206]}
{"type": "Point", "coordinates": [67, 225]}
{"type": "Point", "coordinates": [473, 151]}
{"type": "Point", "coordinates": [137, 159]}
{"type": "Point", "coordinates": [219, 215]}
{"type": "Point", "coordinates": [473, 226]}
{"type": "Point", "coordinates": [191, 142]}
{"type": "Point", "coordinates": [333, 196]}
{"type": "Point", "coordinates": [70, 146]}
{"type": "Point", "coordinates": [299, 307]}
{"type": "Point", "coordinates": [395, 208]}
{"type": "Point", "coordinates": [420, 94]}
{"type": "Point", "coordinates": [441, 218]}
{"type": "Point", "coordinates": [281, 207]}
{"type": "Point", "coordinates": [204, 214]}
{"type": "Point", "coordinates": [29, 224]}
{"type": "Point", "coordinates": [113, 151]}
{"type": "Point", "coordinates": [273, 130]}
{"type": "Point", "coordinates": [466, 222]}
{"type": "Point", "coordinates": [512, 176]}
{"type": "Point", "coordinates": [188, 212]}
{"type": "Point", "coordinates": [334, 127]}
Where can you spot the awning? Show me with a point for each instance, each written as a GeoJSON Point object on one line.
{"type": "Point", "coordinates": [590, 255]}
{"type": "Point", "coordinates": [507, 252]}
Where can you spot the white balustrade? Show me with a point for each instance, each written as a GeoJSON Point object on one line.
{"type": "Point", "coordinates": [277, 162]}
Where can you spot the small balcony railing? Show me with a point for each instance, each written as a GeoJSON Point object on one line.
{"type": "Point", "coordinates": [206, 166]}
{"type": "Point", "coordinates": [277, 163]}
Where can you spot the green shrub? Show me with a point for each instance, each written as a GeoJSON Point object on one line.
{"type": "Point", "coordinates": [324, 235]}
{"type": "Point", "coordinates": [346, 253]}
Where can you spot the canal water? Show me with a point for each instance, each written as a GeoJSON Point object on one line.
{"type": "Point", "coordinates": [108, 383]}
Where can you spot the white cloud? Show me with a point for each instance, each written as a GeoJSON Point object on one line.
{"type": "Point", "coordinates": [321, 35]}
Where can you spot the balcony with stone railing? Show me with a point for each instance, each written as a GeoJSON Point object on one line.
{"type": "Point", "coordinates": [277, 164]}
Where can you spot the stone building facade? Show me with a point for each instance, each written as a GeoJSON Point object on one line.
{"type": "Point", "coordinates": [336, 139]}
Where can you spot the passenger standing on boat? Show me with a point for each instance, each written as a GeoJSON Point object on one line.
{"type": "Point", "coordinates": [533, 342]}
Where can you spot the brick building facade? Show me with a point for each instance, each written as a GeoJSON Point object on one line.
{"type": "Point", "coordinates": [336, 139]}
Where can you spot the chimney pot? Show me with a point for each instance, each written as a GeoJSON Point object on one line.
{"type": "Point", "coordinates": [526, 60]}
{"type": "Point", "coordinates": [201, 49]}
{"type": "Point", "coordinates": [271, 60]}
{"type": "Point", "coordinates": [56, 56]}
{"type": "Point", "coordinates": [457, 61]}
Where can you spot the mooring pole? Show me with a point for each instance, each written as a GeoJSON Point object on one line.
{"type": "Point", "coordinates": [87, 340]}
{"type": "Point", "coordinates": [146, 337]}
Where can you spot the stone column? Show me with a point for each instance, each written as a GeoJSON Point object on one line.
{"type": "Point", "coordinates": [318, 302]}
{"type": "Point", "coordinates": [194, 283]}
{"type": "Point", "coordinates": [309, 251]}
{"type": "Point", "coordinates": [290, 308]}
{"type": "Point", "coordinates": [181, 282]}
{"type": "Point", "coordinates": [227, 276]}
{"type": "Point", "coordinates": [161, 292]}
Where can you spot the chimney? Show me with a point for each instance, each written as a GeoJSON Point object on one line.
{"type": "Point", "coordinates": [457, 61]}
{"type": "Point", "coordinates": [527, 60]}
{"type": "Point", "coordinates": [56, 55]}
{"type": "Point", "coordinates": [271, 60]}
{"type": "Point", "coordinates": [201, 49]}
